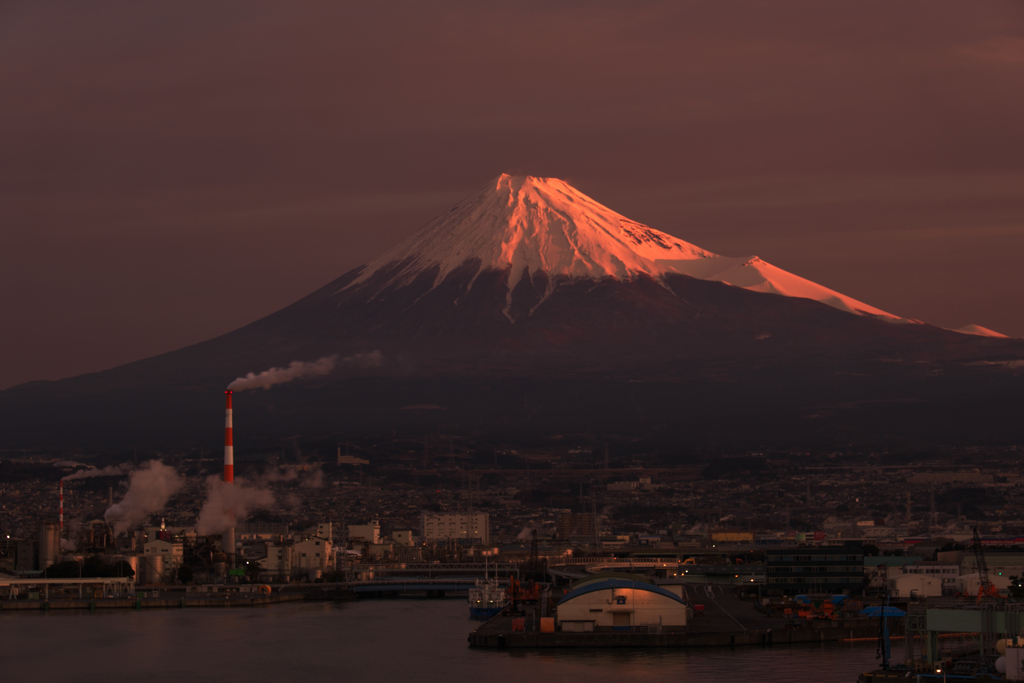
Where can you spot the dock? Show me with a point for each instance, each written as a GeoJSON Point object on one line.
{"type": "Point", "coordinates": [727, 622]}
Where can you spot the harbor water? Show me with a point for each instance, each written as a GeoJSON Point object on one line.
{"type": "Point", "coordinates": [370, 640]}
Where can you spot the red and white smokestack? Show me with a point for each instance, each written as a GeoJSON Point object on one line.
{"type": "Point", "coordinates": [60, 510]}
{"type": "Point", "coordinates": [229, 446]}
{"type": "Point", "coordinates": [228, 536]}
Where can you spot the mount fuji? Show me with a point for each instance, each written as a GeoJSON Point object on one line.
{"type": "Point", "coordinates": [531, 306]}
{"type": "Point", "coordinates": [529, 226]}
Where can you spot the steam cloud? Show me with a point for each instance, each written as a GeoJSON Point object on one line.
{"type": "Point", "coordinates": [300, 370]}
{"type": "Point", "coordinates": [297, 370]}
{"type": "Point", "coordinates": [311, 478]}
{"type": "Point", "coordinates": [527, 533]}
{"type": "Point", "coordinates": [226, 503]}
{"type": "Point", "coordinates": [149, 489]}
{"type": "Point", "coordinates": [111, 471]}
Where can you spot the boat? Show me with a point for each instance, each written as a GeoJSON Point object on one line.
{"type": "Point", "coordinates": [487, 597]}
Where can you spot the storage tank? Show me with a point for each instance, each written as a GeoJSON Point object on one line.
{"type": "Point", "coordinates": [154, 569]}
{"type": "Point", "coordinates": [49, 544]}
{"type": "Point", "coordinates": [133, 562]}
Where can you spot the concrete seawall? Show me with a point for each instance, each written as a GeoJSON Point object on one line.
{"type": "Point", "coordinates": [490, 639]}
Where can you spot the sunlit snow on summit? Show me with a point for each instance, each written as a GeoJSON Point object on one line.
{"type": "Point", "coordinates": [527, 224]}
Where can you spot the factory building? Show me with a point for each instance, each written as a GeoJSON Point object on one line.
{"type": "Point", "coordinates": [999, 564]}
{"type": "Point", "coordinates": [575, 525]}
{"type": "Point", "coordinates": [364, 533]}
{"type": "Point", "coordinates": [277, 564]}
{"type": "Point", "coordinates": [613, 604]}
{"type": "Point", "coordinates": [471, 528]}
{"type": "Point", "coordinates": [821, 569]}
{"type": "Point", "coordinates": [312, 554]}
{"type": "Point", "coordinates": [262, 531]}
{"type": "Point", "coordinates": [404, 538]}
{"type": "Point", "coordinates": [970, 584]}
{"type": "Point", "coordinates": [914, 586]}
{"type": "Point", "coordinates": [732, 536]}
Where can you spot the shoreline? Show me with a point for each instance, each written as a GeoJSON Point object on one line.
{"type": "Point", "coordinates": [92, 605]}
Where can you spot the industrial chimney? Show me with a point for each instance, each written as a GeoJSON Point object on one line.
{"type": "Point", "coordinates": [229, 475]}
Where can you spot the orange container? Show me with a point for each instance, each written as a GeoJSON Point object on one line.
{"type": "Point", "coordinates": [547, 624]}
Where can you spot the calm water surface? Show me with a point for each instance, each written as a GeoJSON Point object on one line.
{"type": "Point", "coordinates": [419, 641]}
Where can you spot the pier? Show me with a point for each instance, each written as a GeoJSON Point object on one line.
{"type": "Point", "coordinates": [727, 621]}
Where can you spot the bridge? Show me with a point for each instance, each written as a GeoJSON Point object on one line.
{"type": "Point", "coordinates": [438, 569]}
{"type": "Point", "coordinates": [431, 586]}
{"type": "Point", "coordinates": [580, 568]}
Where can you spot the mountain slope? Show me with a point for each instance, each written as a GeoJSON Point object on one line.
{"type": "Point", "coordinates": [530, 294]}
{"type": "Point", "coordinates": [525, 225]}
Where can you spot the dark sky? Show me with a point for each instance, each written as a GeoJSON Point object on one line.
{"type": "Point", "coordinates": [171, 171]}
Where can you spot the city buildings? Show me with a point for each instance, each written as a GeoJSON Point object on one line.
{"type": "Point", "coordinates": [463, 527]}
{"type": "Point", "coordinates": [823, 569]}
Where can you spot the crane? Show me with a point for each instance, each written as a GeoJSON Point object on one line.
{"type": "Point", "coordinates": [985, 587]}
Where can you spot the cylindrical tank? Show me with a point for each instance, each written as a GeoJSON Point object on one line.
{"type": "Point", "coordinates": [228, 544]}
{"type": "Point", "coordinates": [49, 544]}
{"type": "Point", "coordinates": [133, 561]}
{"type": "Point", "coordinates": [154, 569]}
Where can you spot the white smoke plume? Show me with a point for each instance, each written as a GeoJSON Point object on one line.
{"type": "Point", "coordinates": [276, 474]}
{"type": "Point", "coordinates": [296, 370]}
{"type": "Point", "coordinates": [310, 477]}
{"type": "Point", "coordinates": [149, 489]}
{"type": "Point", "coordinates": [527, 533]}
{"type": "Point", "coordinates": [227, 503]}
{"type": "Point", "coordinates": [300, 370]}
{"type": "Point", "coordinates": [111, 471]}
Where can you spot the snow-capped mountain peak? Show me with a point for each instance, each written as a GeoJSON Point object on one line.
{"type": "Point", "coordinates": [527, 224]}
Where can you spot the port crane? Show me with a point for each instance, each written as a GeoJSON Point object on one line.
{"type": "Point", "coordinates": [986, 589]}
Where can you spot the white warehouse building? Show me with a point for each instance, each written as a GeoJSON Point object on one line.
{"type": "Point", "coordinates": [620, 604]}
